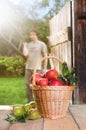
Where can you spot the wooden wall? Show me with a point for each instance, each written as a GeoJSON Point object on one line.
{"type": "Point", "coordinates": [80, 47]}
{"type": "Point", "coordinates": [81, 8]}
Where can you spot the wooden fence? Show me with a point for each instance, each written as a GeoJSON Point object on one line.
{"type": "Point", "coordinates": [68, 41]}
{"type": "Point", "coordinates": [60, 35]}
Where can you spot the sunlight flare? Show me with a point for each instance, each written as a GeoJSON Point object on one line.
{"type": "Point", "coordinates": [5, 14]}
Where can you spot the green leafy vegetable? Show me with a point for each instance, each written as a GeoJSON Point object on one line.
{"type": "Point", "coordinates": [62, 78]}
{"type": "Point", "coordinates": [10, 118]}
{"type": "Point", "coordinates": [22, 119]}
{"type": "Point", "coordinates": [69, 75]}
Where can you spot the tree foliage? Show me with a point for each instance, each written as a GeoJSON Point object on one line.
{"type": "Point", "coordinates": [41, 26]}
{"type": "Point", "coordinates": [24, 22]}
{"type": "Point", "coordinates": [57, 6]}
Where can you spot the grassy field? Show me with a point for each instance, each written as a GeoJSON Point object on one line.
{"type": "Point", "coordinates": [12, 91]}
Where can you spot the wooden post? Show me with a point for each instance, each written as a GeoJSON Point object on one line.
{"type": "Point", "coordinates": [79, 42]}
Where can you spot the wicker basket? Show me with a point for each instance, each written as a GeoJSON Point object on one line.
{"type": "Point", "coordinates": [52, 101]}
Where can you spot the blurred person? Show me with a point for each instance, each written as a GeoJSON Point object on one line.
{"type": "Point", "coordinates": [34, 51]}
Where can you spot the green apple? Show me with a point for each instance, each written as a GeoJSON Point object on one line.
{"type": "Point", "coordinates": [17, 105]}
{"type": "Point", "coordinates": [33, 104]}
{"type": "Point", "coordinates": [34, 114]}
{"type": "Point", "coordinates": [27, 107]}
{"type": "Point", "coordinates": [19, 111]}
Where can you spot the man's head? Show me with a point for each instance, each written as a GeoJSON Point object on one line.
{"type": "Point", "coordinates": [33, 35]}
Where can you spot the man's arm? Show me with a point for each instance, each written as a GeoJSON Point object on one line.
{"type": "Point", "coordinates": [45, 61]}
{"type": "Point", "coordinates": [25, 50]}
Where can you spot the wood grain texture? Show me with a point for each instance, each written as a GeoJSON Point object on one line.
{"type": "Point", "coordinates": [29, 125]}
{"type": "Point", "coordinates": [66, 123]}
{"type": "Point", "coordinates": [79, 114]}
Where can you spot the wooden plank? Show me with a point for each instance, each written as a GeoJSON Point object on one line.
{"type": "Point", "coordinates": [61, 20]}
{"type": "Point", "coordinates": [81, 60]}
{"type": "Point", "coordinates": [66, 123]}
{"type": "Point", "coordinates": [63, 52]}
{"type": "Point", "coordinates": [79, 114]}
{"type": "Point", "coordinates": [29, 125]}
{"type": "Point", "coordinates": [81, 9]}
{"type": "Point", "coordinates": [75, 120]}
{"type": "Point", "coordinates": [4, 125]}
{"type": "Point", "coordinates": [60, 37]}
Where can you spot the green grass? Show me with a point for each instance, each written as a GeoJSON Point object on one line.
{"type": "Point", "coordinates": [12, 91]}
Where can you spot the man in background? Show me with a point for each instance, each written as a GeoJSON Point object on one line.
{"type": "Point", "coordinates": [34, 51]}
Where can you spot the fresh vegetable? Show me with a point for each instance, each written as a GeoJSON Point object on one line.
{"type": "Point", "coordinates": [60, 76]}
{"type": "Point", "coordinates": [11, 118]}
{"type": "Point", "coordinates": [69, 75]}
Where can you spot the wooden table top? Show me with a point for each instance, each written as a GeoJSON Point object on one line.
{"type": "Point", "coordinates": [74, 120]}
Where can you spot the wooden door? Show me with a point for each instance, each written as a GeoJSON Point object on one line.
{"type": "Point", "coordinates": [80, 48]}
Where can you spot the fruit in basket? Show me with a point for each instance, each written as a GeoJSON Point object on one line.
{"type": "Point", "coordinates": [43, 82]}
{"type": "Point", "coordinates": [19, 111]}
{"type": "Point", "coordinates": [55, 82]}
{"type": "Point", "coordinates": [44, 74]}
{"type": "Point", "coordinates": [52, 73]}
{"type": "Point", "coordinates": [34, 114]}
{"type": "Point", "coordinates": [37, 77]}
{"type": "Point", "coordinates": [67, 84]}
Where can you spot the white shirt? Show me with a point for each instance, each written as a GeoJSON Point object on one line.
{"type": "Point", "coordinates": [35, 54]}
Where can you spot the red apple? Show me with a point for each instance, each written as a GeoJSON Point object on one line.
{"type": "Point", "coordinates": [43, 82]}
{"type": "Point", "coordinates": [44, 74]}
{"type": "Point", "coordinates": [67, 84]}
{"type": "Point", "coordinates": [52, 73]}
{"type": "Point", "coordinates": [55, 82]}
{"type": "Point", "coordinates": [37, 77]}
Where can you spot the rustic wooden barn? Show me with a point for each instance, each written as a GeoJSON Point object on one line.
{"type": "Point", "coordinates": [68, 41]}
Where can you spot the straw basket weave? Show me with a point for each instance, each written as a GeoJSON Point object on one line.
{"type": "Point", "coordinates": [52, 101]}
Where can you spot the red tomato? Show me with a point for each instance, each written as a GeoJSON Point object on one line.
{"type": "Point", "coordinates": [52, 73]}
{"type": "Point", "coordinates": [43, 82]}
{"type": "Point", "coordinates": [55, 82]}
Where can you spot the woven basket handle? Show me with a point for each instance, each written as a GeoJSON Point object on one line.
{"type": "Point", "coordinates": [47, 57]}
